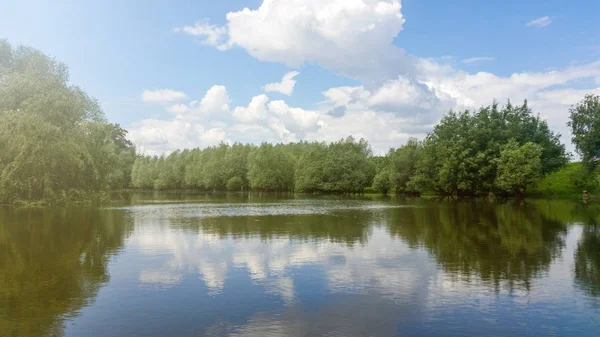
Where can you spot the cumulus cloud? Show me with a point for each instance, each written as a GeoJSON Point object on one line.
{"type": "Point", "coordinates": [540, 22]}
{"type": "Point", "coordinates": [216, 100]}
{"type": "Point", "coordinates": [256, 110]}
{"type": "Point", "coordinates": [386, 115]}
{"type": "Point", "coordinates": [301, 118]}
{"type": "Point", "coordinates": [210, 121]}
{"type": "Point", "coordinates": [178, 109]}
{"type": "Point", "coordinates": [286, 86]}
{"type": "Point", "coordinates": [162, 95]}
{"type": "Point", "coordinates": [353, 38]}
{"type": "Point", "coordinates": [401, 95]}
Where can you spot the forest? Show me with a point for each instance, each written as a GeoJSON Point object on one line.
{"type": "Point", "coordinates": [56, 146]}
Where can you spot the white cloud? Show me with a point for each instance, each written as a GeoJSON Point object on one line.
{"type": "Point", "coordinates": [211, 35]}
{"type": "Point", "coordinates": [301, 118]}
{"type": "Point", "coordinates": [156, 136]}
{"type": "Point", "coordinates": [478, 59]}
{"type": "Point", "coordinates": [350, 37]}
{"type": "Point", "coordinates": [162, 95]}
{"type": "Point", "coordinates": [402, 96]}
{"type": "Point", "coordinates": [540, 22]}
{"type": "Point", "coordinates": [256, 110]}
{"type": "Point", "coordinates": [286, 86]}
{"type": "Point", "coordinates": [386, 115]}
{"type": "Point", "coordinates": [280, 129]}
{"type": "Point", "coordinates": [216, 100]}
{"type": "Point", "coordinates": [178, 109]}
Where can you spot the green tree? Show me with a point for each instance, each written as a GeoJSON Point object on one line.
{"type": "Point", "coordinates": [519, 167]}
{"type": "Point", "coordinates": [460, 156]}
{"type": "Point", "coordinates": [235, 184]}
{"type": "Point", "coordinates": [55, 144]}
{"type": "Point", "coordinates": [310, 169]}
{"type": "Point", "coordinates": [381, 182]}
{"type": "Point", "coordinates": [585, 128]}
{"type": "Point", "coordinates": [403, 164]}
{"type": "Point", "coordinates": [271, 168]}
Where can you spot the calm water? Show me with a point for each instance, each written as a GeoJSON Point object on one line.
{"type": "Point", "coordinates": [172, 265]}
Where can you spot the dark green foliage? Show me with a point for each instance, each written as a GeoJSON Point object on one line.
{"type": "Point", "coordinates": [462, 154]}
{"type": "Point", "coordinates": [55, 144]}
{"type": "Point", "coordinates": [343, 166]}
{"type": "Point", "coordinates": [403, 164]}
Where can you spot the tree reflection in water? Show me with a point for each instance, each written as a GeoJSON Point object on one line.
{"type": "Point", "coordinates": [52, 264]}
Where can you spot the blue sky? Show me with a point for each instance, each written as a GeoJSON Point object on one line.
{"type": "Point", "coordinates": [390, 68]}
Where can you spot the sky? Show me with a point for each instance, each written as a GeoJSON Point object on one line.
{"type": "Point", "coordinates": [183, 74]}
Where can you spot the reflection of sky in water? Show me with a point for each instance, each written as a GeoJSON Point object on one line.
{"type": "Point", "coordinates": [213, 210]}
{"type": "Point", "coordinates": [172, 280]}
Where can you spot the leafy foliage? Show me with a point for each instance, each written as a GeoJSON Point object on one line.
{"type": "Point", "coordinates": [339, 167]}
{"type": "Point", "coordinates": [571, 179]}
{"type": "Point", "coordinates": [585, 127]}
{"type": "Point", "coordinates": [519, 167]}
{"type": "Point", "coordinates": [55, 144]}
{"type": "Point", "coordinates": [463, 153]}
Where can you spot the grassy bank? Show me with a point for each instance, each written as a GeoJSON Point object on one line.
{"type": "Point", "coordinates": [570, 180]}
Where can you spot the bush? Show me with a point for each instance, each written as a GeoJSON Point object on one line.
{"type": "Point", "coordinates": [572, 179]}
{"type": "Point", "coordinates": [235, 184]}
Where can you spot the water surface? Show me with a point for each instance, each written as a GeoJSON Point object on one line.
{"type": "Point", "coordinates": [195, 265]}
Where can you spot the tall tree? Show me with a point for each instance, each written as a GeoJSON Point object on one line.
{"type": "Point", "coordinates": [519, 167]}
{"type": "Point", "coordinates": [585, 128]}
{"type": "Point", "coordinates": [55, 144]}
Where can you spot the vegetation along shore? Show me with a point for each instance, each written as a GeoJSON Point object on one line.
{"type": "Point", "coordinates": [56, 146]}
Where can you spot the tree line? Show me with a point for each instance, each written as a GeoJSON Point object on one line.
{"type": "Point", "coordinates": [345, 166]}
{"type": "Point", "coordinates": [56, 145]}
{"type": "Point", "coordinates": [496, 149]}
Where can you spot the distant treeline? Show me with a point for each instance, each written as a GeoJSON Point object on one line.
{"type": "Point", "coordinates": [56, 146]}
{"type": "Point", "coordinates": [341, 167]}
{"type": "Point", "coordinates": [503, 150]}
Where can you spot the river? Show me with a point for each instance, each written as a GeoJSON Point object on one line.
{"type": "Point", "coordinates": [168, 264]}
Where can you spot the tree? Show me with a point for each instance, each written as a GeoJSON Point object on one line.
{"type": "Point", "coordinates": [403, 164]}
{"type": "Point", "coordinates": [309, 169]}
{"type": "Point", "coordinates": [381, 182]}
{"type": "Point", "coordinates": [519, 167]}
{"type": "Point", "coordinates": [235, 184]}
{"type": "Point", "coordinates": [460, 156]}
{"type": "Point", "coordinates": [235, 164]}
{"type": "Point", "coordinates": [55, 144]}
{"type": "Point", "coordinates": [271, 168]}
{"type": "Point", "coordinates": [585, 128]}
